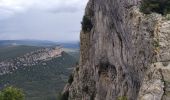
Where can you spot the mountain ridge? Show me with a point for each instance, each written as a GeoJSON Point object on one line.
{"type": "Point", "coordinates": [29, 59]}
{"type": "Point", "coordinates": [39, 43]}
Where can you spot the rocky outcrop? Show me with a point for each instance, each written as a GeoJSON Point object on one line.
{"type": "Point", "coordinates": [156, 83]}
{"type": "Point", "coordinates": [29, 59]}
{"type": "Point", "coordinates": [122, 56]}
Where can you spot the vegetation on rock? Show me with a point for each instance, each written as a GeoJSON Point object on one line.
{"type": "Point", "coordinates": [70, 80]}
{"type": "Point", "coordinates": [63, 96]}
{"type": "Point", "coordinates": [86, 24]}
{"type": "Point", "coordinates": [11, 93]}
{"type": "Point", "coordinates": [122, 98]}
{"type": "Point", "coordinates": [158, 6]}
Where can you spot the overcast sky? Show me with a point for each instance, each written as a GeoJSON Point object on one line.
{"type": "Point", "coordinates": [55, 20]}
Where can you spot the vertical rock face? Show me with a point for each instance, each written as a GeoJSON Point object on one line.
{"type": "Point", "coordinates": [118, 53]}
{"type": "Point", "coordinates": [155, 85]}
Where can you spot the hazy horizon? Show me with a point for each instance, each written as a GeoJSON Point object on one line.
{"type": "Point", "coordinates": [60, 41]}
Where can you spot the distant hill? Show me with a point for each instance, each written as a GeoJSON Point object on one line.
{"type": "Point", "coordinates": [8, 52]}
{"type": "Point", "coordinates": [72, 45]}
{"type": "Point", "coordinates": [41, 80]}
{"type": "Point", "coordinates": [27, 42]}
{"type": "Point", "coordinates": [39, 43]}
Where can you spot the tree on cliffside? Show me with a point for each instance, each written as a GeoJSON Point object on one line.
{"type": "Point", "coordinates": [86, 24]}
{"type": "Point", "coordinates": [158, 6]}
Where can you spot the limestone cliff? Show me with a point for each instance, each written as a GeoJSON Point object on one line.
{"type": "Point", "coordinates": [124, 54]}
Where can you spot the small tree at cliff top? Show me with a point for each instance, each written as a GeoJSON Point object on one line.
{"type": "Point", "coordinates": [11, 93]}
{"type": "Point", "coordinates": [158, 6]}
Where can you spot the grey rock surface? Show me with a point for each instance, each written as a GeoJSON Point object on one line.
{"type": "Point", "coordinates": [119, 58]}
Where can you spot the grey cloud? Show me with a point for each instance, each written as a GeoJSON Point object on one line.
{"type": "Point", "coordinates": [61, 23]}
{"type": "Point", "coordinates": [35, 24]}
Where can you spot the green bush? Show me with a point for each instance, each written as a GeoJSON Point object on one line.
{"type": "Point", "coordinates": [122, 98]}
{"type": "Point", "coordinates": [158, 6]}
{"type": "Point", "coordinates": [1, 96]}
{"type": "Point", "coordinates": [77, 69]}
{"type": "Point", "coordinates": [11, 93]}
{"type": "Point", "coordinates": [63, 96]}
{"type": "Point", "coordinates": [86, 24]}
{"type": "Point", "coordinates": [70, 80]}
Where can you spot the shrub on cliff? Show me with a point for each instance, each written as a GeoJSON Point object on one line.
{"type": "Point", "coordinates": [86, 24]}
{"type": "Point", "coordinates": [63, 96]}
{"type": "Point", "coordinates": [158, 6]}
{"type": "Point", "coordinates": [122, 98]}
{"type": "Point", "coordinates": [70, 80]}
{"type": "Point", "coordinates": [11, 93]}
